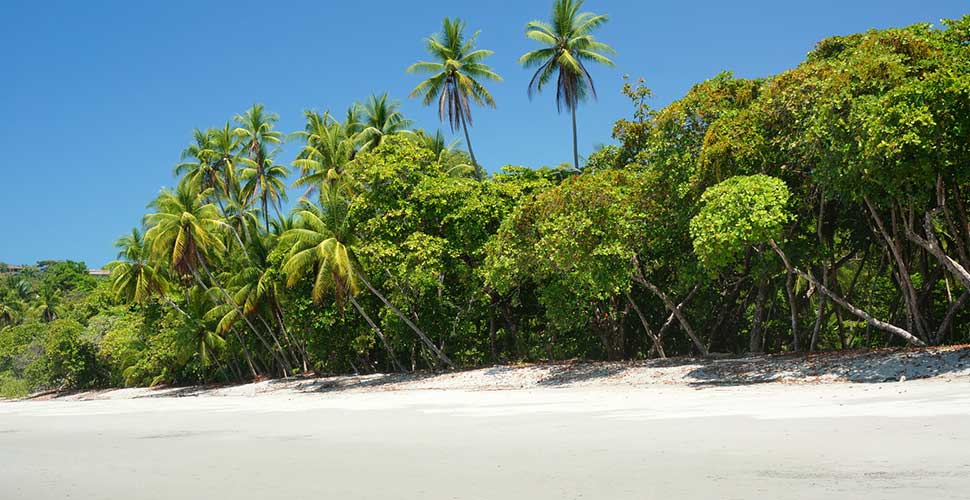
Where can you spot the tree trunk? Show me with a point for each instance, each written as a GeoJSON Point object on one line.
{"type": "Point", "coordinates": [895, 330]}
{"type": "Point", "coordinates": [575, 140]}
{"type": "Point", "coordinates": [950, 315]}
{"type": "Point", "coordinates": [232, 302]}
{"type": "Point", "coordinates": [669, 304]}
{"type": "Point", "coordinates": [905, 281]}
{"type": "Point", "coordinates": [380, 334]}
{"type": "Point", "coordinates": [424, 338]}
{"type": "Point", "coordinates": [479, 171]}
{"type": "Point", "coordinates": [657, 344]}
{"type": "Point", "coordinates": [757, 330]}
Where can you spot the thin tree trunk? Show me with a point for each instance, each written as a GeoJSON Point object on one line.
{"type": "Point", "coordinates": [479, 172]}
{"type": "Point", "coordinates": [905, 281]}
{"type": "Point", "coordinates": [822, 300]}
{"type": "Point", "coordinates": [424, 338]}
{"type": "Point", "coordinates": [232, 302]}
{"type": "Point", "coordinates": [757, 330]}
{"type": "Point", "coordinates": [909, 337]}
{"type": "Point", "coordinates": [575, 141]}
{"type": "Point", "coordinates": [950, 315]}
{"type": "Point", "coordinates": [657, 344]}
{"type": "Point", "coordinates": [669, 304]}
{"type": "Point", "coordinates": [380, 334]}
{"type": "Point", "coordinates": [246, 355]}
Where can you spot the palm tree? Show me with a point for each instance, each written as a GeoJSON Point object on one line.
{"type": "Point", "coordinates": [569, 45]}
{"type": "Point", "coordinates": [49, 304]}
{"type": "Point", "coordinates": [324, 248]}
{"type": "Point", "coordinates": [134, 278]}
{"type": "Point", "coordinates": [225, 146]}
{"type": "Point", "coordinates": [454, 76]}
{"type": "Point", "coordinates": [197, 162]}
{"type": "Point", "coordinates": [186, 234]}
{"type": "Point", "coordinates": [329, 147]}
{"type": "Point", "coordinates": [452, 159]}
{"type": "Point", "coordinates": [381, 118]}
{"type": "Point", "coordinates": [266, 180]}
{"type": "Point", "coordinates": [256, 130]}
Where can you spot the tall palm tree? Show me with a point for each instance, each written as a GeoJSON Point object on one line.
{"type": "Point", "coordinates": [382, 117]}
{"type": "Point", "coordinates": [256, 130]}
{"type": "Point", "coordinates": [324, 248]}
{"type": "Point", "coordinates": [266, 180]}
{"type": "Point", "coordinates": [225, 146]}
{"type": "Point", "coordinates": [569, 46]}
{"type": "Point", "coordinates": [455, 76]}
{"type": "Point", "coordinates": [186, 233]}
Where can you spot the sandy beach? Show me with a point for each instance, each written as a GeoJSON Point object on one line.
{"type": "Point", "coordinates": [592, 431]}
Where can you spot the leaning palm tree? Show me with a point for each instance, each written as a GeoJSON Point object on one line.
{"type": "Point", "coordinates": [186, 231]}
{"type": "Point", "coordinates": [256, 131]}
{"type": "Point", "coordinates": [455, 76]}
{"type": "Point", "coordinates": [569, 46]}
{"type": "Point", "coordinates": [382, 118]}
{"type": "Point", "coordinates": [324, 249]}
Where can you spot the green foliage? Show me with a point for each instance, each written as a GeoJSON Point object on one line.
{"type": "Point", "coordinates": [736, 214]}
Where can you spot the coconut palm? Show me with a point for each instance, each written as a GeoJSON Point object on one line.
{"type": "Point", "coordinates": [324, 249]}
{"type": "Point", "coordinates": [225, 147]}
{"type": "Point", "coordinates": [185, 229]}
{"type": "Point", "coordinates": [197, 162]}
{"type": "Point", "coordinates": [186, 233]}
{"type": "Point", "coordinates": [329, 146]}
{"type": "Point", "coordinates": [569, 46]}
{"type": "Point", "coordinates": [256, 131]}
{"type": "Point", "coordinates": [266, 181]}
{"type": "Point", "coordinates": [134, 278]}
{"type": "Point", "coordinates": [382, 118]}
{"type": "Point", "coordinates": [454, 161]}
{"type": "Point", "coordinates": [455, 76]}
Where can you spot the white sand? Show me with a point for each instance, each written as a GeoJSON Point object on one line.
{"type": "Point", "coordinates": [611, 431]}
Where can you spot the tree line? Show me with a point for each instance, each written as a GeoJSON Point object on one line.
{"type": "Point", "coordinates": [821, 208]}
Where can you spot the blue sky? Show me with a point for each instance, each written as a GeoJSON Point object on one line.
{"type": "Point", "coordinates": [98, 98]}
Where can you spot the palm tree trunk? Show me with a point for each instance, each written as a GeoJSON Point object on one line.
{"type": "Point", "coordinates": [575, 141]}
{"type": "Point", "coordinates": [380, 334]}
{"type": "Point", "coordinates": [229, 300]}
{"type": "Point", "coordinates": [468, 142]}
{"type": "Point", "coordinates": [424, 338]}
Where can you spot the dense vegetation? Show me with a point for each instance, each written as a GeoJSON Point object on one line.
{"type": "Point", "coordinates": [821, 208]}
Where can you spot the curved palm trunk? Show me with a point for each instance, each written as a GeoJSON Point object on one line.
{"type": "Point", "coordinates": [424, 338]}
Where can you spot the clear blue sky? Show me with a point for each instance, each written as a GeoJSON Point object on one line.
{"type": "Point", "coordinates": [98, 98]}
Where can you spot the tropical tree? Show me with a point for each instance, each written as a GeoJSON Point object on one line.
{"type": "Point", "coordinates": [569, 46]}
{"type": "Point", "coordinates": [328, 147]}
{"type": "Point", "coordinates": [324, 249]}
{"type": "Point", "coordinates": [186, 232]}
{"type": "Point", "coordinates": [455, 76]}
{"type": "Point", "coordinates": [256, 131]}
{"type": "Point", "coordinates": [382, 117]}
{"type": "Point", "coordinates": [266, 180]}
{"type": "Point", "coordinates": [134, 278]}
